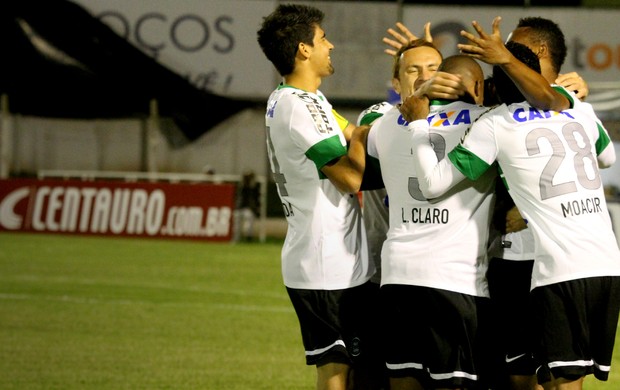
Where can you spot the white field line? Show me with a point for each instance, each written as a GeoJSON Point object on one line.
{"type": "Point", "coordinates": [91, 301]}
{"type": "Point", "coordinates": [158, 286]}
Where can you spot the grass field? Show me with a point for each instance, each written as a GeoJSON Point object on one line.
{"type": "Point", "coordinates": [106, 313]}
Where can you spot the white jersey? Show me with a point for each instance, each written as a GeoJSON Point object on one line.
{"type": "Point", "coordinates": [325, 244]}
{"type": "Point", "coordinates": [549, 163]}
{"type": "Point", "coordinates": [522, 245]}
{"type": "Point", "coordinates": [375, 209]}
{"type": "Point", "coordinates": [439, 243]}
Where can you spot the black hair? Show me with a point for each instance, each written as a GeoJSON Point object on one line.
{"type": "Point", "coordinates": [490, 96]}
{"type": "Point", "coordinates": [545, 30]}
{"type": "Point", "coordinates": [505, 89]}
{"type": "Point", "coordinates": [470, 71]}
{"type": "Point", "coordinates": [284, 29]}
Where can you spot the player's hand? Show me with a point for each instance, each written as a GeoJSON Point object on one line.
{"type": "Point", "coordinates": [487, 48]}
{"type": "Point", "coordinates": [415, 107]}
{"type": "Point", "coordinates": [442, 86]}
{"type": "Point", "coordinates": [514, 221]}
{"type": "Point", "coordinates": [403, 37]}
{"type": "Point", "coordinates": [573, 82]}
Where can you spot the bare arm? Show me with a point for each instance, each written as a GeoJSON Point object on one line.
{"type": "Point", "coordinates": [403, 37]}
{"type": "Point", "coordinates": [348, 131]}
{"type": "Point", "coordinates": [346, 172]}
{"type": "Point", "coordinates": [491, 49]}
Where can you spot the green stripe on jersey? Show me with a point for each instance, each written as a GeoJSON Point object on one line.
{"type": "Point", "coordinates": [369, 118]}
{"type": "Point", "coordinates": [603, 139]}
{"type": "Point", "coordinates": [325, 151]}
{"type": "Point", "coordinates": [561, 90]}
{"type": "Point", "coordinates": [468, 163]}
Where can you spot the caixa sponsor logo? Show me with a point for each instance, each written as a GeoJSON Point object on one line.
{"type": "Point", "coordinates": [121, 211]}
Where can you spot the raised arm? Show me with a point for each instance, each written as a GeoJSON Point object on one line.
{"type": "Point", "coordinates": [490, 49]}
{"type": "Point", "coordinates": [403, 37]}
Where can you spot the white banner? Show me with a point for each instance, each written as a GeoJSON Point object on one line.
{"type": "Point", "coordinates": [592, 35]}
{"type": "Point", "coordinates": [213, 42]}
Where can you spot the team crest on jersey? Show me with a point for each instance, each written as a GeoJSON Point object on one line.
{"type": "Point", "coordinates": [401, 121]}
{"type": "Point", "coordinates": [525, 114]}
{"type": "Point", "coordinates": [450, 118]}
{"type": "Point", "coordinates": [377, 108]}
{"type": "Point", "coordinates": [319, 116]}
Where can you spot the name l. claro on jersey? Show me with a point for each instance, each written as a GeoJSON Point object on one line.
{"type": "Point", "coordinates": [425, 215]}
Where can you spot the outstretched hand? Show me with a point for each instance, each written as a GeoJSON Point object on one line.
{"type": "Point", "coordinates": [414, 108]}
{"type": "Point", "coordinates": [442, 86]}
{"type": "Point", "coordinates": [573, 82]}
{"type": "Point", "coordinates": [403, 37]}
{"type": "Point", "coordinates": [487, 48]}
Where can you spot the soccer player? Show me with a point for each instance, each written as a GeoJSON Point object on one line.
{"type": "Point", "coordinates": [513, 252]}
{"type": "Point", "coordinates": [550, 164]}
{"type": "Point", "coordinates": [324, 258]}
{"type": "Point", "coordinates": [417, 66]}
{"type": "Point", "coordinates": [434, 257]}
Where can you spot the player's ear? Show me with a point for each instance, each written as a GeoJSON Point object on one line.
{"type": "Point", "coordinates": [543, 51]}
{"type": "Point", "coordinates": [479, 91]}
{"type": "Point", "coordinates": [396, 85]}
{"type": "Point", "coordinates": [303, 50]}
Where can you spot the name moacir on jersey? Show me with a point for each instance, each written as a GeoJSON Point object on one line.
{"type": "Point", "coordinates": [581, 206]}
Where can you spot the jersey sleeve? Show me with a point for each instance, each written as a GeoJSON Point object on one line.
{"type": "Point", "coordinates": [605, 151]}
{"type": "Point", "coordinates": [571, 97]}
{"type": "Point", "coordinates": [325, 151]}
{"type": "Point", "coordinates": [318, 135]}
{"type": "Point", "coordinates": [372, 113]}
{"type": "Point", "coordinates": [435, 177]}
{"type": "Point", "coordinates": [478, 149]}
{"type": "Point", "coordinates": [342, 121]}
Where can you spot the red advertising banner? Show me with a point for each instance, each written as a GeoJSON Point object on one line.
{"type": "Point", "coordinates": [109, 208]}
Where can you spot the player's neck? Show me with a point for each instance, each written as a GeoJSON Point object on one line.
{"type": "Point", "coordinates": [304, 81]}
{"type": "Point", "coordinates": [548, 72]}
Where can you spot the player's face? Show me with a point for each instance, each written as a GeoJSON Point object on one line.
{"type": "Point", "coordinates": [416, 66]}
{"type": "Point", "coordinates": [321, 51]}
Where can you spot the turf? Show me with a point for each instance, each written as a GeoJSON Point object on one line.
{"type": "Point", "coordinates": [108, 313]}
{"type": "Point", "coordinates": [103, 313]}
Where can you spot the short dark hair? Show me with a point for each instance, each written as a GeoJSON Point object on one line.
{"type": "Point", "coordinates": [284, 29]}
{"type": "Point", "coordinates": [547, 31]}
{"type": "Point", "coordinates": [411, 45]}
{"type": "Point", "coordinates": [506, 90]}
{"type": "Point", "coordinates": [470, 71]}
